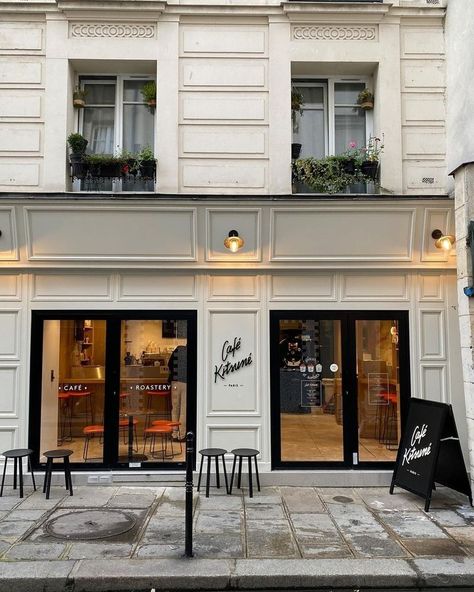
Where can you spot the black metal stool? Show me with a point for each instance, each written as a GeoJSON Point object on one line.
{"type": "Point", "coordinates": [18, 454]}
{"type": "Point", "coordinates": [241, 453]}
{"type": "Point", "coordinates": [51, 455]}
{"type": "Point", "coordinates": [211, 453]}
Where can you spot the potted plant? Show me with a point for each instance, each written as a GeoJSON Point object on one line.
{"type": "Point", "coordinates": [296, 110]}
{"type": "Point", "coordinates": [365, 99]}
{"type": "Point", "coordinates": [104, 165]}
{"type": "Point", "coordinates": [77, 144]}
{"type": "Point", "coordinates": [79, 97]}
{"type": "Point", "coordinates": [146, 163]}
{"type": "Point", "coordinates": [148, 92]}
{"type": "Point", "coordinates": [324, 175]}
{"type": "Point", "coordinates": [370, 156]}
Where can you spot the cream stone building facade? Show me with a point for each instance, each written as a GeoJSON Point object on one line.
{"type": "Point", "coordinates": [353, 282]}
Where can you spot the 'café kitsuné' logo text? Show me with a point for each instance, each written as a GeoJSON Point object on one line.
{"type": "Point", "coordinates": [229, 364]}
{"type": "Point", "coordinates": [417, 449]}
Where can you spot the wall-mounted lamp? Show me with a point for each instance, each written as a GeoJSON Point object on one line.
{"type": "Point", "coordinates": [469, 290]}
{"type": "Point", "coordinates": [443, 241]}
{"type": "Point", "coordinates": [233, 242]}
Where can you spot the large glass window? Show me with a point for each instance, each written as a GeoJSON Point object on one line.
{"type": "Point", "coordinates": [115, 120]}
{"type": "Point", "coordinates": [116, 390]}
{"type": "Point", "coordinates": [331, 118]}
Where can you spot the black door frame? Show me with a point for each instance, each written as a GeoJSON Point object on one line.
{"type": "Point", "coordinates": [349, 381]}
{"type": "Point", "coordinates": [113, 319]}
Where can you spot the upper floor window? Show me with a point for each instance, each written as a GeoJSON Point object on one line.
{"type": "Point", "coordinates": [116, 121]}
{"type": "Point", "coordinates": [331, 119]}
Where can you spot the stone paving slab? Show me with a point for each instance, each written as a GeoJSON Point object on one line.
{"type": "Point", "coordinates": [331, 573]}
{"type": "Point", "coordinates": [445, 572]}
{"type": "Point", "coordinates": [35, 551]}
{"type": "Point", "coordinates": [141, 574]}
{"type": "Point", "coordinates": [298, 499]}
{"type": "Point", "coordinates": [269, 538]}
{"type": "Point", "coordinates": [34, 576]}
{"type": "Point", "coordinates": [413, 525]}
{"type": "Point", "coordinates": [98, 550]}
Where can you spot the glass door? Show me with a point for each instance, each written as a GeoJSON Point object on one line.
{"type": "Point", "coordinates": [340, 381]}
{"type": "Point", "coordinates": [116, 388]}
{"type": "Point", "coordinates": [308, 382]}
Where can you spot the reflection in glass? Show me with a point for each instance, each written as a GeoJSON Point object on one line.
{"type": "Point", "coordinates": [72, 403]}
{"type": "Point", "coordinates": [310, 390]}
{"type": "Point", "coordinates": [378, 383]}
{"type": "Point", "coordinates": [153, 385]}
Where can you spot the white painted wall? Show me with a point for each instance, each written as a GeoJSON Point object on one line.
{"type": "Point", "coordinates": [460, 98]}
{"type": "Point", "coordinates": [223, 119]}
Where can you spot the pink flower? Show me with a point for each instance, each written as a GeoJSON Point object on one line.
{"type": "Point", "coordinates": [352, 144]}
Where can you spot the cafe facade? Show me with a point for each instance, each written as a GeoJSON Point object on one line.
{"type": "Point", "coordinates": [219, 294]}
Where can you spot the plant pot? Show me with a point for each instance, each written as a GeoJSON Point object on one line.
{"type": "Point", "coordinates": [369, 169]}
{"type": "Point", "coordinates": [78, 166]}
{"type": "Point", "coordinates": [367, 105]}
{"type": "Point", "coordinates": [295, 150]}
{"type": "Point", "coordinates": [79, 103]}
{"type": "Point", "coordinates": [151, 104]}
{"type": "Point", "coordinates": [106, 171]}
{"type": "Point", "coordinates": [147, 169]}
{"type": "Point", "coordinates": [348, 166]}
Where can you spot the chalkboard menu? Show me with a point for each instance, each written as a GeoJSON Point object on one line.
{"type": "Point", "coordinates": [430, 452]}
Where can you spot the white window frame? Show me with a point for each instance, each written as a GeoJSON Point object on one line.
{"type": "Point", "coordinates": [119, 81]}
{"type": "Point", "coordinates": [330, 106]}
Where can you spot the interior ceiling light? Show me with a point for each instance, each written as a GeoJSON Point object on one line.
{"type": "Point", "coordinates": [443, 241]}
{"type": "Point", "coordinates": [233, 242]}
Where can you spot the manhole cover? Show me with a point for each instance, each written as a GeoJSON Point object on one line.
{"type": "Point", "coordinates": [90, 525]}
{"type": "Point", "coordinates": [342, 499]}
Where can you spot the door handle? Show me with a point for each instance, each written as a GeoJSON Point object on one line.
{"type": "Point", "coordinates": [53, 378]}
{"type": "Point", "coordinates": [346, 393]}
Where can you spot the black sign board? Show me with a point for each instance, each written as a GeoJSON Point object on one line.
{"type": "Point", "coordinates": [430, 452]}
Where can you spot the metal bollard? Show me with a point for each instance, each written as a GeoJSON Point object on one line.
{"type": "Point", "coordinates": [188, 537]}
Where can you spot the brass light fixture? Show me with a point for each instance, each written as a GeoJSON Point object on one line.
{"type": "Point", "coordinates": [443, 241]}
{"type": "Point", "coordinates": [233, 242]}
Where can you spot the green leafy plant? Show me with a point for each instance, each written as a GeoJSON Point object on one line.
{"type": "Point", "coordinates": [373, 150]}
{"type": "Point", "coordinates": [148, 92]}
{"type": "Point", "coordinates": [103, 159]}
{"type": "Point", "coordinates": [77, 143]}
{"type": "Point", "coordinates": [324, 175]}
{"type": "Point", "coordinates": [146, 153]}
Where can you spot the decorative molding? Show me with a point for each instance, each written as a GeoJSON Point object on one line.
{"type": "Point", "coordinates": [335, 33]}
{"type": "Point", "coordinates": [115, 30]}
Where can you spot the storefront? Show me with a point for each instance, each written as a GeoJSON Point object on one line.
{"type": "Point", "coordinates": [305, 344]}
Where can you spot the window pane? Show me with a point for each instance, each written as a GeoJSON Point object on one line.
{"type": "Point", "coordinates": [311, 94]}
{"type": "Point", "coordinates": [153, 379]}
{"type": "Point", "coordinates": [378, 389]}
{"type": "Point", "coordinates": [100, 94]}
{"type": "Point", "coordinates": [350, 127]}
{"type": "Point", "coordinates": [309, 132]}
{"type": "Point", "coordinates": [98, 128]}
{"type": "Point", "coordinates": [131, 90]}
{"type": "Point", "coordinates": [138, 127]}
{"type": "Point", "coordinates": [72, 407]}
{"type": "Point", "coordinates": [346, 93]}
{"type": "Point", "coordinates": [310, 390]}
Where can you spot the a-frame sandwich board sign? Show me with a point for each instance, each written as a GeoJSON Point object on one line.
{"type": "Point", "coordinates": [430, 452]}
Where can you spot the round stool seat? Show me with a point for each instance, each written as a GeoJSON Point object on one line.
{"type": "Point", "coordinates": [245, 452]}
{"type": "Point", "coordinates": [93, 429]}
{"type": "Point", "coordinates": [249, 454]}
{"type": "Point", "coordinates": [212, 451]}
{"type": "Point", "coordinates": [17, 453]}
{"type": "Point", "coordinates": [59, 453]}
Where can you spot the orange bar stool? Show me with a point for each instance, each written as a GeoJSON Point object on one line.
{"type": "Point", "coordinates": [175, 426]}
{"type": "Point", "coordinates": [151, 396]}
{"type": "Point", "coordinates": [123, 427]}
{"type": "Point", "coordinates": [164, 433]}
{"type": "Point", "coordinates": [89, 433]}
